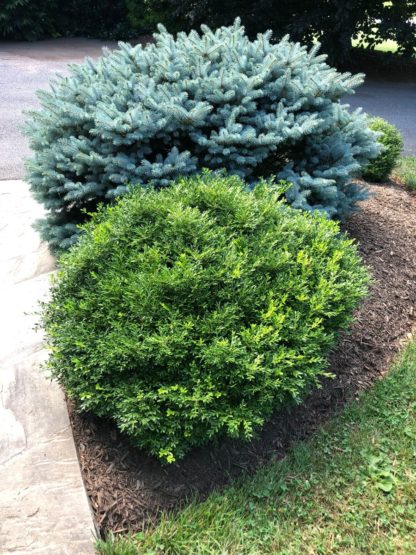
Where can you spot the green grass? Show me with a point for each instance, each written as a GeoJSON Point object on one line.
{"type": "Point", "coordinates": [405, 171]}
{"type": "Point", "coordinates": [385, 46]}
{"type": "Point", "coordinates": [350, 490]}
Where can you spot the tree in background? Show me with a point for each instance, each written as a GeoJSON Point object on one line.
{"type": "Point", "coordinates": [333, 22]}
{"type": "Point", "coordinates": [394, 20]}
{"type": "Point", "coordinates": [336, 22]}
{"type": "Point", "coordinates": [27, 20]}
{"type": "Point", "coordinates": [41, 19]}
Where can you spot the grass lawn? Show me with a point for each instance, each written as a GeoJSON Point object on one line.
{"type": "Point", "coordinates": [350, 490]}
{"type": "Point", "coordinates": [385, 46]}
{"type": "Point", "coordinates": [405, 171]}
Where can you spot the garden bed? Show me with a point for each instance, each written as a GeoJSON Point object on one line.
{"type": "Point", "coordinates": [129, 489]}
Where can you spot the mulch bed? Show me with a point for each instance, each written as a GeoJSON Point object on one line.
{"type": "Point", "coordinates": [128, 490]}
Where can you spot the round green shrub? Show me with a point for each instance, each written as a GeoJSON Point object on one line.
{"type": "Point", "coordinates": [217, 100]}
{"type": "Point", "coordinates": [192, 312]}
{"type": "Point", "coordinates": [381, 167]}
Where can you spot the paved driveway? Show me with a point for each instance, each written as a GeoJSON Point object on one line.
{"type": "Point", "coordinates": [395, 102]}
{"type": "Point", "coordinates": [26, 67]}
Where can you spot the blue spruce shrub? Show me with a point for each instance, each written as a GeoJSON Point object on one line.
{"type": "Point", "coordinates": [190, 313]}
{"type": "Point", "coordinates": [145, 115]}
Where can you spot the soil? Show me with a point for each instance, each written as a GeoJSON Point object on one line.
{"type": "Point", "coordinates": [128, 489]}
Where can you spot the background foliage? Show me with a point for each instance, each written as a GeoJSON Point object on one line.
{"type": "Point", "coordinates": [27, 20]}
{"type": "Point", "coordinates": [333, 22]}
{"type": "Point", "coordinates": [40, 19]}
{"type": "Point", "coordinates": [190, 313]}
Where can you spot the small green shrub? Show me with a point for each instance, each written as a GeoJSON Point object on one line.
{"type": "Point", "coordinates": [381, 167]}
{"type": "Point", "coordinates": [192, 312]}
{"type": "Point", "coordinates": [147, 115]}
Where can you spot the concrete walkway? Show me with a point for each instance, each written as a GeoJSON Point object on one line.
{"type": "Point", "coordinates": [27, 67]}
{"type": "Point", "coordinates": [43, 505]}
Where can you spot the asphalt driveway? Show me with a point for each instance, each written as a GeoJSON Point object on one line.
{"type": "Point", "coordinates": [395, 102]}
{"type": "Point", "coordinates": [26, 67]}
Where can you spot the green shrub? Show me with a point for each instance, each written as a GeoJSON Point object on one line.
{"type": "Point", "coordinates": [192, 312]}
{"type": "Point", "coordinates": [218, 100]}
{"type": "Point", "coordinates": [381, 167]}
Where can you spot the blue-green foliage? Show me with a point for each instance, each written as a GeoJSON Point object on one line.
{"type": "Point", "coordinates": [145, 115]}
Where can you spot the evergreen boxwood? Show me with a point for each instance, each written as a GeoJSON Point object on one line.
{"type": "Point", "coordinates": [192, 312]}
{"type": "Point", "coordinates": [391, 139]}
{"type": "Point", "coordinates": [144, 115]}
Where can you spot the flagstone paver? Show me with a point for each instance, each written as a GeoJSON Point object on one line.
{"type": "Point", "coordinates": [43, 505]}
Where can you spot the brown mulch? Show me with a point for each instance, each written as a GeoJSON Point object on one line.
{"type": "Point", "coordinates": [128, 489]}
